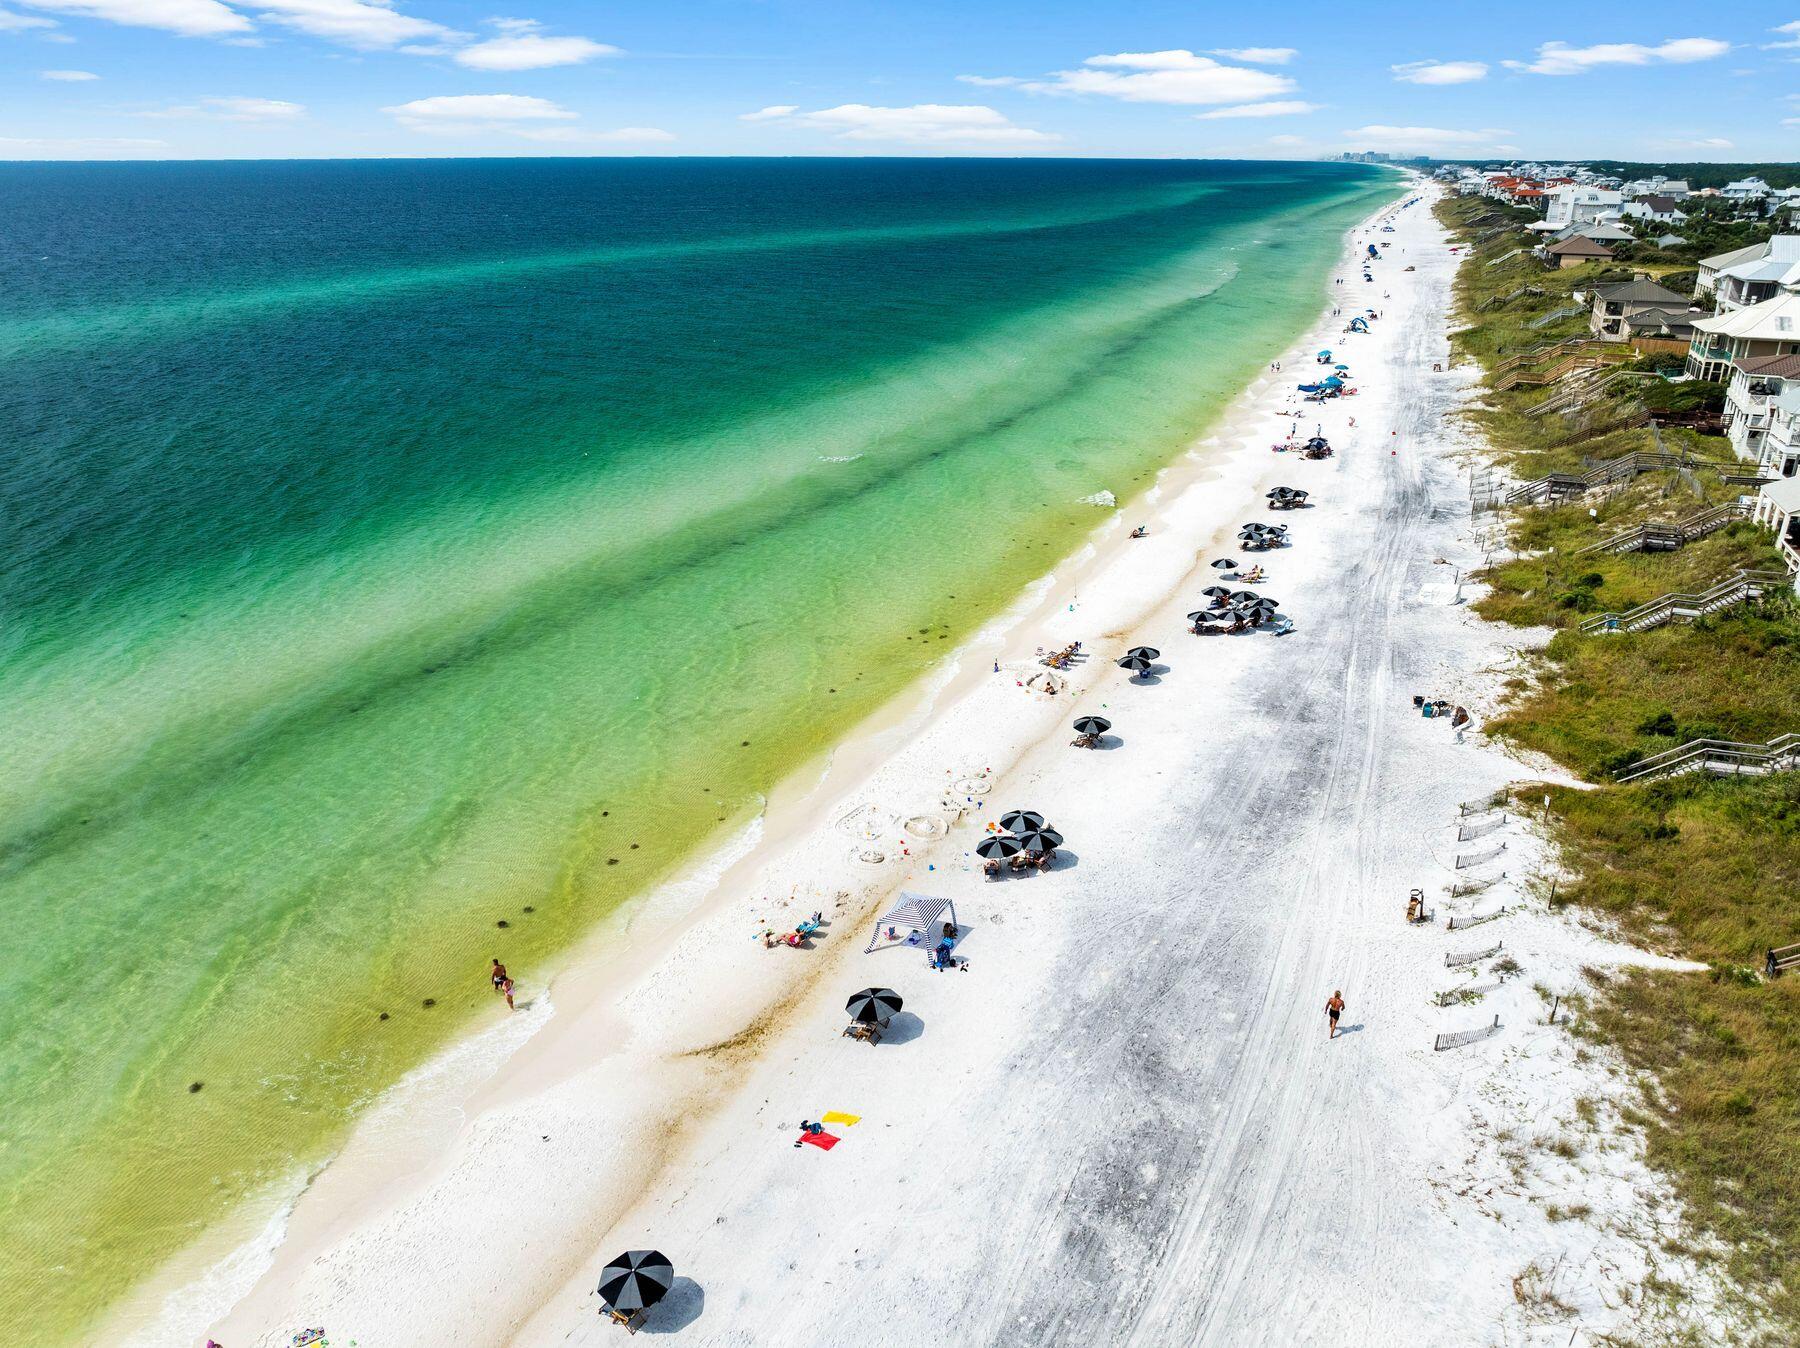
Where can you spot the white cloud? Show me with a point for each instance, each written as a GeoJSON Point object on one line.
{"type": "Point", "coordinates": [233, 109]}
{"type": "Point", "coordinates": [1257, 56]}
{"type": "Point", "coordinates": [19, 23]}
{"type": "Point", "coordinates": [575, 135]}
{"type": "Point", "coordinates": [1178, 76]}
{"type": "Point", "coordinates": [367, 25]}
{"type": "Point", "coordinates": [67, 76]}
{"type": "Point", "coordinates": [1420, 139]}
{"type": "Point", "coordinates": [1695, 143]}
{"type": "Point", "coordinates": [1440, 72]}
{"type": "Point", "coordinates": [254, 109]}
{"type": "Point", "coordinates": [463, 112]}
{"type": "Point", "coordinates": [530, 51]}
{"type": "Point", "coordinates": [1284, 108]}
{"type": "Point", "coordinates": [189, 18]}
{"type": "Point", "coordinates": [1559, 58]}
{"type": "Point", "coordinates": [921, 124]}
{"type": "Point", "coordinates": [82, 147]}
{"type": "Point", "coordinates": [1792, 36]}
{"type": "Point", "coordinates": [1168, 77]}
{"type": "Point", "coordinates": [1287, 142]}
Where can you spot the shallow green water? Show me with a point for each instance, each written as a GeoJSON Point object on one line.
{"type": "Point", "coordinates": [391, 548]}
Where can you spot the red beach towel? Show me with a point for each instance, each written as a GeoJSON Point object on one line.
{"type": "Point", "coordinates": [823, 1141]}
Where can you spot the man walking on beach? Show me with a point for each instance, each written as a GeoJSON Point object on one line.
{"type": "Point", "coordinates": [1334, 1007]}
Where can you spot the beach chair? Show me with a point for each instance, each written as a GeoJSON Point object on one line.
{"type": "Point", "coordinates": [866, 1032]}
{"type": "Point", "coordinates": [632, 1322]}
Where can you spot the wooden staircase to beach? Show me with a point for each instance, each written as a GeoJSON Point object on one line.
{"type": "Point", "coordinates": [1663, 536]}
{"type": "Point", "coordinates": [1722, 758]}
{"type": "Point", "coordinates": [1557, 487]}
{"type": "Point", "coordinates": [1738, 588]}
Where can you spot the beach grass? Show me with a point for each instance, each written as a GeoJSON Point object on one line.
{"type": "Point", "coordinates": [1697, 867]}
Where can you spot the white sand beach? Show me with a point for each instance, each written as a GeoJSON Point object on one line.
{"type": "Point", "coordinates": [1124, 1122]}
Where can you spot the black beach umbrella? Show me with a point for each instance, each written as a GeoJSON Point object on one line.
{"type": "Point", "coordinates": [1135, 663]}
{"type": "Point", "coordinates": [1021, 820]}
{"type": "Point", "coordinates": [1040, 841]}
{"type": "Point", "coordinates": [1224, 564]}
{"type": "Point", "coordinates": [998, 846]}
{"type": "Point", "coordinates": [1242, 596]}
{"type": "Point", "coordinates": [1297, 493]}
{"type": "Point", "coordinates": [1143, 652]}
{"type": "Point", "coordinates": [636, 1281]}
{"type": "Point", "coordinates": [1204, 615]}
{"type": "Point", "coordinates": [1216, 592]}
{"type": "Point", "coordinates": [872, 1005]}
{"type": "Point", "coordinates": [1092, 725]}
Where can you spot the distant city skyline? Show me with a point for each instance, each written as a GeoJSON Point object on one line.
{"type": "Point", "coordinates": [113, 79]}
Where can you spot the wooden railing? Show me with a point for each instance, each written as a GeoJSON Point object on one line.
{"type": "Point", "coordinates": [1722, 758]}
{"type": "Point", "coordinates": [1660, 536]}
{"type": "Point", "coordinates": [1737, 588]}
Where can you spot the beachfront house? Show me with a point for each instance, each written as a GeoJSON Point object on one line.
{"type": "Point", "coordinates": [1747, 276]}
{"type": "Point", "coordinates": [1606, 231]}
{"type": "Point", "coordinates": [1572, 205]}
{"type": "Point", "coordinates": [1778, 508]}
{"type": "Point", "coordinates": [1574, 251]}
{"type": "Point", "coordinates": [1771, 328]}
{"type": "Point", "coordinates": [1612, 305]}
{"type": "Point", "coordinates": [1759, 385]}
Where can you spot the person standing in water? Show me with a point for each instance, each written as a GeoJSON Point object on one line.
{"type": "Point", "coordinates": [1334, 1007]}
{"type": "Point", "coordinates": [506, 988]}
{"type": "Point", "coordinates": [497, 975]}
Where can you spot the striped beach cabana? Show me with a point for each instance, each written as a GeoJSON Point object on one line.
{"type": "Point", "coordinates": [914, 912]}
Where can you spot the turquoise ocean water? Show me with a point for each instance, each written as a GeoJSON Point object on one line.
{"type": "Point", "coordinates": [389, 550]}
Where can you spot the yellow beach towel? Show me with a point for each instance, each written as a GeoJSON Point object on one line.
{"type": "Point", "coordinates": [848, 1120]}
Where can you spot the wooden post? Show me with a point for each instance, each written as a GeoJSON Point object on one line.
{"type": "Point", "coordinates": [1555, 1002]}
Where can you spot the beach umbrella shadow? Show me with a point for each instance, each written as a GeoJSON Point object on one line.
{"type": "Point", "coordinates": [679, 1309]}
{"type": "Point", "coordinates": [902, 1028]}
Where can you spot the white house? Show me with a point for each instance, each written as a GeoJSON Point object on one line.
{"type": "Point", "coordinates": [1571, 205]}
{"type": "Point", "coordinates": [1745, 189]}
{"type": "Point", "coordinates": [1659, 210]}
{"type": "Point", "coordinates": [1778, 508]}
{"type": "Point", "coordinates": [1747, 276]}
{"type": "Point", "coordinates": [1674, 188]}
{"type": "Point", "coordinates": [1759, 386]}
{"type": "Point", "coordinates": [1771, 328]}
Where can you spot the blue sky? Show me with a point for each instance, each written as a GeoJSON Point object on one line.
{"type": "Point", "coordinates": [83, 79]}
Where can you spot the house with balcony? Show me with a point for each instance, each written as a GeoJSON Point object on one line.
{"type": "Point", "coordinates": [1771, 328]}
{"type": "Point", "coordinates": [1573, 206]}
{"type": "Point", "coordinates": [1746, 190]}
{"type": "Point", "coordinates": [1748, 276]}
{"type": "Point", "coordinates": [1758, 383]}
{"type": "Point", "coordinates": [1612, 305]}
{"type": "Point", "coordinates": [1778, 508]}
{"type": "Point", "coordinates": [1778, 452]}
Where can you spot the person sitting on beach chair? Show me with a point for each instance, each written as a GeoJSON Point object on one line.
{"type": "Point", "coordinates": [991, 869]}
{"type": "Point", "coordinates": [1016, 864]}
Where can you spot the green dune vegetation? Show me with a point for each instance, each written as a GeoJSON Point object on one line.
{"type": "Point", "coordinates": [1699, 867]}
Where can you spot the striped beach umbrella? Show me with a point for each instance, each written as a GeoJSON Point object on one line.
{"type": "Point", "coordinates": [1143, 652]}
{"type": "Point", "coordinates": [636, 1281]}
{"type": "Point", "coordinates": [1039, 841]}
{"type": "Point", "coordinates": [998, 846]}
{"type": "Point", "coordinates": [1224, 564]}
{"type": "Point", "coordinates": [872, 1005]}
{"type": "Point", "coordinates": [1092, 725]}
{"type": "Point", "coordinates": [1020, 820]}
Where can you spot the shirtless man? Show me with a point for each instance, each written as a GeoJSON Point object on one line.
{"type": "Point", "coordinates": [497, 975]}
{"type": "Point", "coordinates": [1334, 1008]}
